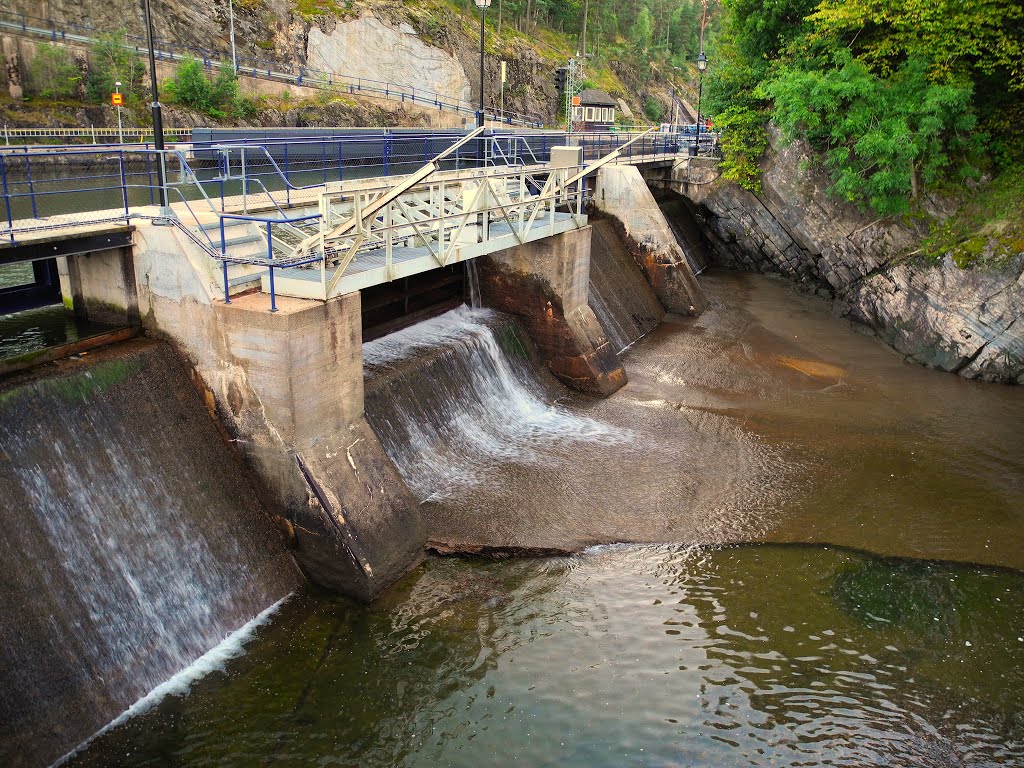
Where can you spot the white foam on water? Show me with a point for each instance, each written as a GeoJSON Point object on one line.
{"type": "Point", "coordinates": [213, 660]}
{"type": "Point", "coordinates": [447, 426]}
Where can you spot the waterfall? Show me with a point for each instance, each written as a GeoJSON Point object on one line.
{"type": "Point", "coordinates": [473, 284]}
{"type": "Point", "coordinates": [134, 543]}
{"type": "Point", "coordinates": [619, 293]}
{"type": "Point", "coordinates": [453, 396]}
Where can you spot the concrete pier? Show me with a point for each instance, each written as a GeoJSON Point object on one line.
{"type": "Point", "coordinates": [545, 283]}
{"type": "Point", "coordinates": [288, 386]}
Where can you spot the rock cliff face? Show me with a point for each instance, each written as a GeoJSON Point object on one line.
{"type": "Point", "coordinates": [370, 49]}
{"type": "Point", "coordinates": [426, 47]}
{"type": "Point", "coordinates": [962, 320]}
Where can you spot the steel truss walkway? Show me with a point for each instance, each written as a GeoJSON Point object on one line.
{"type": "Point", "coordinates": [373, 231]}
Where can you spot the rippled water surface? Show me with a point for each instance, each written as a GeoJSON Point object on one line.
{"type": "Point", "coordinates": [856, 598]}
{"type": "Point", "coordinates": [752, 655]}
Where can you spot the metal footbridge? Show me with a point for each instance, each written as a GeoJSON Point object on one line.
{"type": "Point", "coordinates": [241, 211]}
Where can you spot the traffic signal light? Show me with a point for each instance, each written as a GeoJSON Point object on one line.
{"type": "Point", "coordinates": [561, 78]}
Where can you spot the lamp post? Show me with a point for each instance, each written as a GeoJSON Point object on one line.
{"type": "Point", "coordinates": [702, 64]}
{"type": "Point", "coordinates": [483, 5]}
{"type": "Point", "coordinates": [120, 130]}
{"type": "Point", "coordinates": [158, 123]}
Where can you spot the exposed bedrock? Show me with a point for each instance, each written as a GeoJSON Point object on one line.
{"type": "Point", "coordinates": [623, 195]}
{"type": "Point", "coordinates": [545, 283]}
{"type": "Point", "coordinates": [961, 320]}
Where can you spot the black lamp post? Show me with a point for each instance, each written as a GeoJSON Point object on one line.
{"type": "Point", "coordinates": [702, 64]}
{"type": "Point", "coordinates": [483, 5]}
{"type": "Point", "coordinates": [158, 123]}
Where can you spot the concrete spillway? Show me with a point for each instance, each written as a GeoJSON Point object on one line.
{"type": "Point", "coordinates": [620, 296]}
{"type": "Point", "coordinates": [133, 543]}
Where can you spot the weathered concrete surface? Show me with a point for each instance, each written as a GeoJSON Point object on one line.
{"type": "Point", "coordinates": [134, 541]}
{"type": "Point", "coordinates": [622, 194]}
{"type": "Point", "coordinates": [289, 388]}
{"type": "Point", "coordinates": [102, 287]}
{"type": "Point", "coordinates": [545, 283]}
{"type": "Point", "coordinates": [959, 320]}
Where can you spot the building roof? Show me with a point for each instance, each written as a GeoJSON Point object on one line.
{"type": "Point", "coordinates": [592, 97]}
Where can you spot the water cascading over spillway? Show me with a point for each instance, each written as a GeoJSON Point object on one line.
{"type": "Point", "coordinates": [452, 397]}
{"type": "Point", "coordinates": [687, 233]}
{"type": "Point", "coordinates": [619, 294]}
{"type": "Point", "coordinates": [133, 543]}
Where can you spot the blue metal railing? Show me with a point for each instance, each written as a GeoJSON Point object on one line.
{"type": "Point", "coordinates": [42, 185]}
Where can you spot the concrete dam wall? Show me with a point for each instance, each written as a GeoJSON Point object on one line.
{"type": "Point", "coordinates": [134, 541]}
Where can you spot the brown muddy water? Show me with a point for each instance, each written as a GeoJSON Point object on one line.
{"type": "Point", "coordinates": [837, 578]}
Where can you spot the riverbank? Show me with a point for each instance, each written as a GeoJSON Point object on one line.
{"type": "Point", "coordinates": [944, 287]}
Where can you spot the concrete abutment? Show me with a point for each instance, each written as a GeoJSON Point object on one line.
{"type": "Point", "coordinates": [545, 282]}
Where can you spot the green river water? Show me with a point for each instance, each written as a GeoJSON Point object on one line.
{"type": "Point", "coordinates": [860, 603]}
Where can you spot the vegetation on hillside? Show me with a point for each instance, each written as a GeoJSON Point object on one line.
{"type": "Point", "coordinates": [899, 97]}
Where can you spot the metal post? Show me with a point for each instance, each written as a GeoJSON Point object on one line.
{"type": "Point", "coordinates": [124, 184]}
{"type": "Point", "coordinates": [270, 256]}
{"type": "Point", "coordinates": [245, 183]}
{"type": "Point", "coordinates": [120, 129]}
{"type": "Point", "coordinates": [480, 113]}
{"type": "Point", "coordinates": [158, 123]}
{"type": "Point", "coordinates": [7, 198]}
{"type": "Point", "coordinates": [700, 92]}
{"type": "Point", "coordinates": [231, 18]}
{"type": "Point", "coordinates": [31, 186]}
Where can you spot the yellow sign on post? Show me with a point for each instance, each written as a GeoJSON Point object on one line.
{"type": "Point", "coordinates": [116, 99]}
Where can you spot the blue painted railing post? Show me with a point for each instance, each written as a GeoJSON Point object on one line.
{"type": "Point", "coordinates": [224, 263]}
{"type": "Point", "coordinates": [270, 256]}
{"type": "Point", "coordinates": [149, 176]}
{"type": "Point", "coordinates": [124, 184]}
{"type": "Point", "coordinates": [7, 197]}
{"type": "Point", "coordinates": [323, 160]}
{"type": "Point", "coordinates": [31, 186]}
{"type": "Point", "coordinates": [387, 153]}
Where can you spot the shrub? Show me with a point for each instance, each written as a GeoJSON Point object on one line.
{"type": "Point", "coordinates": [111, 62]}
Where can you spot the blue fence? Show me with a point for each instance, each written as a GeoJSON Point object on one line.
{"type": "Point", "coordinates": [50, 189]}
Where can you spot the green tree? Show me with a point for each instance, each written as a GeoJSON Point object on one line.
{"type": "Point", "coordinates": [53, 73]}
{"type": "Point", "coordinates": [643, 31]}
{"type": "Point", "coordinates": [953, 38]}
{"type": "Point", "coordinates": [190, 87]}
{"type": "Point", "coordinates": [884, 138]}
{"type": "Point", "coordinates": [111, 62]}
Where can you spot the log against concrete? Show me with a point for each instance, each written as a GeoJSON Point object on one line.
{"type": "Point", "coordinates": [545, 282]}
{"type": "Point", "coordinates": [356, 526]}
{"type": "Point", "coordinates": [622, 194]}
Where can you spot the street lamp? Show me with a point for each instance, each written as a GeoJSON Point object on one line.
{"type": "Point", "coordinates": [483, 5]}
{"type": "Point", "coordinates": [120, 131]}
{"type": "Point", "coordinates": [702, 64]}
